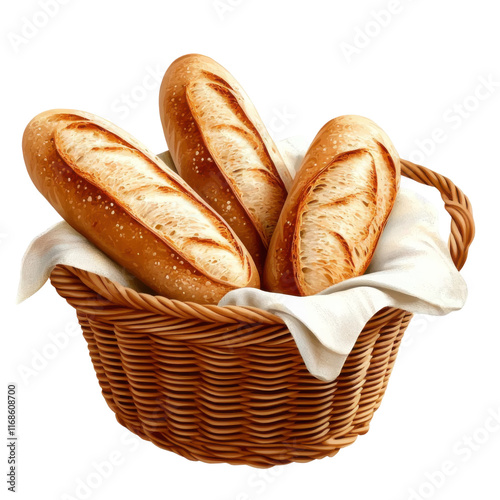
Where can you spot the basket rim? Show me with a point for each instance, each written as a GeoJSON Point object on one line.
{"type": "Point", "coordinates": [63, 276]}
{"type": "Point", "coordinates": [461, 236]}
{"type": "Point", "coordinates": [119, 294]}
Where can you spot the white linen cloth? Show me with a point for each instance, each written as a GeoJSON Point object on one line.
{"type": "Point", "coordinates": [411, 269]}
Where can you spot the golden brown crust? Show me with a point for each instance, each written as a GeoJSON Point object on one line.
{"type": "Point", "coordinates": [113, 225]}
{"type": "Point", "coordinates": [200, 132]}
{"type": "Point", "coordinates": [349, 140]}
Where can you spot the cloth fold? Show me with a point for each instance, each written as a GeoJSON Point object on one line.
{"type": "Point", "coordinates": [411, 269]}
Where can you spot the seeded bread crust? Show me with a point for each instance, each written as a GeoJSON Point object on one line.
{"type": "Point", "coordinates": [122, 198]}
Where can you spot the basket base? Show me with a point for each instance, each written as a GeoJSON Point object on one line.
{"type": "Point", "coordinates": [223, 386]}
{"type": "Point", "coordinates": [369, 397]}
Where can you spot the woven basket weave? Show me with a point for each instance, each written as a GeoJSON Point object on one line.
{"type": "Point", "coordinates": [227, 384]}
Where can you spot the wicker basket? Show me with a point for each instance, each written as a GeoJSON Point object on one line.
{"type": "Point", "coordinates": [227, 384]}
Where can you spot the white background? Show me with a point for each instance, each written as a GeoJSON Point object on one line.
{"type": "Point", "coordinates": [419, 69]}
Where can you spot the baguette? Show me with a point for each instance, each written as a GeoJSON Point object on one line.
{"type": "Point", "coordinates": [221, 148]}
{"type": "Point", "coordinates": [123, 199]}
{"type": "Point", "coordinates": [336, 210]}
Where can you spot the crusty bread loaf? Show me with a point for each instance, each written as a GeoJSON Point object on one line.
{"type": "Point", "coordinates": [221, 148]}
{"type": "Point", "coordinates": [112, 190]}
{"type": "Point", "coordinates": [336, 209]}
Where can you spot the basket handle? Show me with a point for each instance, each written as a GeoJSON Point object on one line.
{"type": "Point", "coordinates": [455, 203]}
